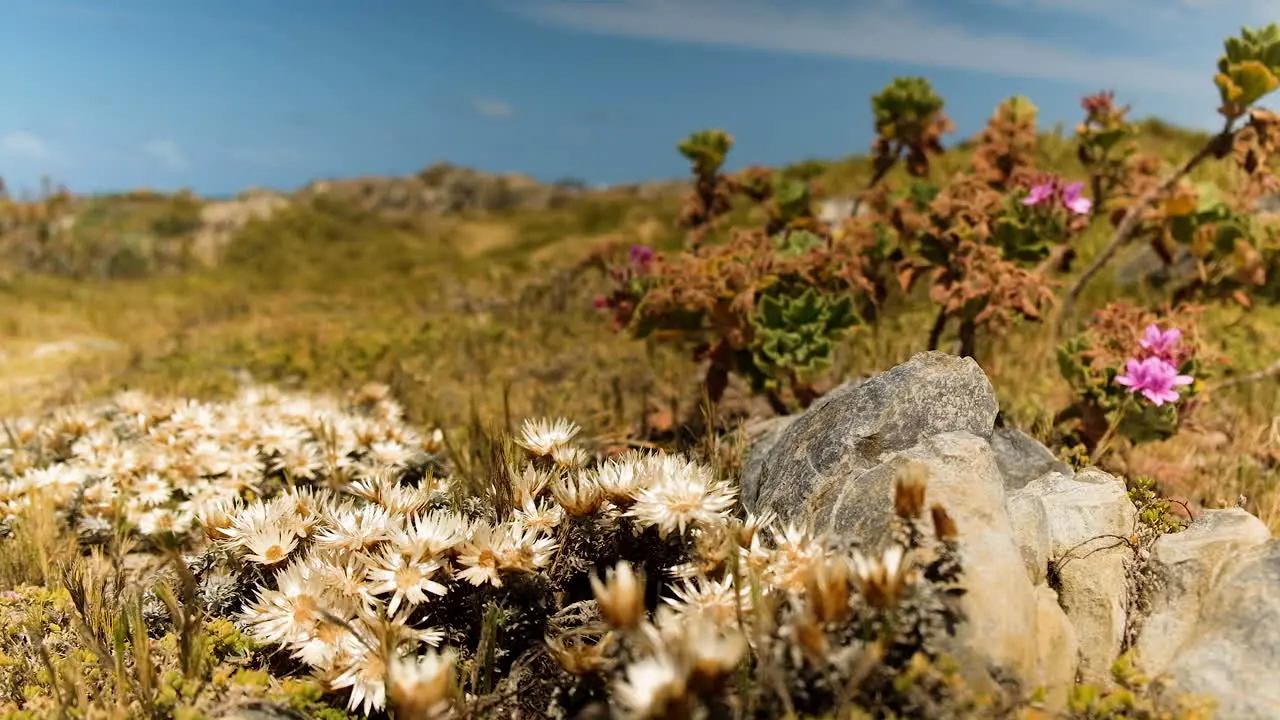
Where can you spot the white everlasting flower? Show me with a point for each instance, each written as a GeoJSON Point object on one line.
{"type": "Point", "coordinates": [651, 684]}
{"type": "Point", "coordinates": [407, 577]}
{"type": "Point", "coordinates": [543, 436]}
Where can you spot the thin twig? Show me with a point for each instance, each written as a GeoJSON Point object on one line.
{"type": "Point", "coordinates": [1270, 371]}
{"type": "Point", "coordinates": [1129, 223]}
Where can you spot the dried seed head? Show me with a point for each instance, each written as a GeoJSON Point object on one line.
{"type": "Point", "coordinates": [423, 687]}
{"type": "Point", "coordinates": [828, 590]}
{"type": "Point", "coordinates": [621, 597]}
{"type": "Point", "coordinates": [883, 580]}
{"type": "Point", "coordinates": [810, 636]}
{"type": "Point", "coordinates": [578, 657]}
{"type": "Point", "coordinates": [908, 492]}
{"type": "Point", "coordinates": [944, 528]}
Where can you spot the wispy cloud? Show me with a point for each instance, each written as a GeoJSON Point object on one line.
{"type": "Point", "coordinates": [1135, 13]}
{"type": "Point", "coordinates": [492, 108]}
{"type": "Point", "coordinates": [23, 144]}
{"type": "Point", "coordinates": [888, 30]}
{"type": "Point", "coordinates": [168, 153]}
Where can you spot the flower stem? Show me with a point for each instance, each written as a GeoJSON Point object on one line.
{"type": "Point", "coordinates": [1133, 215]}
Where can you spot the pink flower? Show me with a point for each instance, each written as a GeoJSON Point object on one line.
{"type": "Point", "coordinates": [641, 255]}
{"type": "Point", "coordinates": [1040, 193]}
{"type": "Point", "coordinates": [1160, 342]}
{"type": "Point", "coordinates": [1070, 196]}
{"type": "Point", "coordinates": [1074, 201]}
{"type": "Point", "coordinates": [1155, 378]}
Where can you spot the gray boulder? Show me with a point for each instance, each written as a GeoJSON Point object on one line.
{"type": "Point", "coordinates": [1078, 524]}
{"type": "Point", "coordinates": [1233, 655]}
{"type": "Point", "coordinates": [854, 427]}
{"type": "Point", "coordinates": [1186, 566]}
{"type": "Point", "coordinates": [1022, 458]}
{"type": "Point", "coordinates": [1049, 554]}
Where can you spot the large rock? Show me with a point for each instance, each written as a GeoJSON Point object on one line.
{"type": "Point", "coordinates": [1233, 655]}
{"type": "Point", "coordinates": [1048, 553]}
{"type": "Point", "coordinates": [1006, 614]}
{"type": "Point", "coordinates": [761, 437]}
{"type": "Point", "coordinates": [1078, 525]}
{"type": "Point", "coordinates": [1186, 567]}
{"type": "Point", "coordinates": [855, 426]}
{"type": "Point", "coordinates": [1022, 458]}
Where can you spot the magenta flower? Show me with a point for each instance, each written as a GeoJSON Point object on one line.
{"type": "Point", "coordinates": [1070, 195]}
{"type": "Point", "coordinates": [1160, 343]}
{"type": "Point", "coordinates": [1073, 200]}
{"type": "Point", "coordinates": [1040, 193]}
{"type": "Point", "coordinates": [641, 255]}
{"type": "Point", "coordinates": [1155, 378]}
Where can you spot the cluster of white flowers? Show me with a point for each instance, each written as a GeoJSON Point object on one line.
{"type": "Point", "coordinates": [351, 563]}
{"type": "Point", "coordinates": [157, 464]}
{"type": "Point", "coordinates": [318, 493]}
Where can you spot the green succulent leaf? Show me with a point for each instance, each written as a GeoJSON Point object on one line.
{"type": "Point", "coordinates": [796, 334]}
{"type": "Point", "coordinates": [706, 150]}
{"type": "Point", "coordinates": [793, 243]}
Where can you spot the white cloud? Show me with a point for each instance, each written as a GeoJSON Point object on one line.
{"type": "Point", "coordinates": [167, 153]}
{"type": "Point", "coordinates": [889, 30]}
{"type": "Point", "coordinates": [23, 144]}
{"type": "Point", "coordinates": [492, 108]}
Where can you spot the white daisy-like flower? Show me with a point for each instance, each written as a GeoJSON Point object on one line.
{"type": "Point", "coordinates": [299, 462]}
{"type": "Point", "coordinates": [343, 575]}
{"type": "Point", "coordinates": [355, 529]}
{"type": "Point", "coordinates": [257, 518]}
{"type": "Point", "coordinates": [287, 615]}
{"type": "Point", "coordinates": [528, 484]}
{"type": "Point", "coordinates": [278, 437]}
{"type": "Point", "coordinates": [365, 673]}
{"type": "Point", "coordinates": [420, 685]}
{"type": "Point", "coordinates": [326, 642]}
{"type": "Point", "coordinates": [619, 478]}
{"type": "Point", "coordinates": [407, 577]}
{"type": "Point", "coordinates": [303, 506]}
{"type": "Point", "coordinates": [100, 496]}
{"type": "Point", "coordinates": [544, 436]}
{"type": "Point", "coordinates": [269, 545]}
{"type": "Point", "coordinates": [650, 686]}
{"type": "Point", "coordinates": [716, 600]}
{"type": "Point", "coordinates": [478, 556]}
{"type": "Point", "coordinates": [151, 490]}
{"type": "Point", "coordinates": [432, 534]}
{"type": "Point", "coordinates": [578, 492]}
{"type": "Point", "coordinates": [543, 516]}
{"type": "Point", "coordinates": [678, 494]}
{"type": "Point", "coordinates": [525, 549]}
{"type": "Point", "coordinates": [391, 453]}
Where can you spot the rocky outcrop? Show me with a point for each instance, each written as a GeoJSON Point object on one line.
{"type": "Point", "coordinates": [1051, 555]}
{"type": "Point", "coordinates": [220, 220]}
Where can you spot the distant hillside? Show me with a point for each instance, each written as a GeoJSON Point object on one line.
{"type": "Point", "coordinates": [446, 189]}
{"type": "Point", "coordinates": [143, 232]}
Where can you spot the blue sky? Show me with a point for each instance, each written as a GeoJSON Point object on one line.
{"type": "Point", "coordinates": [220, 96]}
